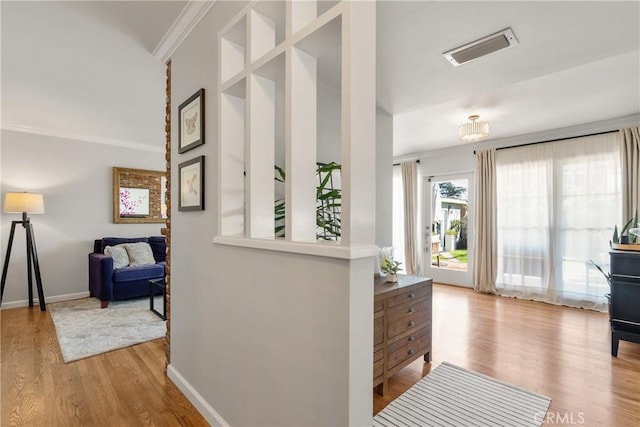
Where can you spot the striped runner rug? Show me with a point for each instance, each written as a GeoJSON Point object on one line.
{"type": "Point", "coordinates": [454, 396]}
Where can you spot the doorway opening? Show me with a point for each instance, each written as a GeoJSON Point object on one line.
{"type": "Point", "coordinates": [449, 224]}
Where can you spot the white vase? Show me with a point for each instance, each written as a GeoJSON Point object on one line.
{"type": "Point", "coordinates": [392, 278]}
{"type": "Point", "coordinates": [450, 241]}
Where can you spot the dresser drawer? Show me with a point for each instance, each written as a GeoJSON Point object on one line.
{"type": "Point", "coordinates": [408, 322]}
{"type": "Point", "coordinates": [378, 330]}
{"type": "Point", "coordinates": [378, 363]}
{"type": "Point", "coordinates": [626, 265]}
{"type": "Point", "coordinates": [378, 306]}
{"type": "Point", "coordinates": [410, 295]}
{"type": "Point", "coordinates": [410, 337]}
{"type": "Point", "coordinates": [625, 303]}
{"type": "Point", "coordinates": [409, 351]}
{"type": "Point", "coordinates": [409, 307]}
{"type": "Point", "coordinates": [378, 380]}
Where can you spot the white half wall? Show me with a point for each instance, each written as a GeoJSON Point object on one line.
{"type": "Point", "coordinates": [75, 178]}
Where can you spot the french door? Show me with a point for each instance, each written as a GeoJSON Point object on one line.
{"type": "Point", "coordinates": [448, 228]}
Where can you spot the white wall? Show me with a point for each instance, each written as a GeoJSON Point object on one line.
{"type": "Point", "coordinates": [329, 126]}
{"type": "Point", "coordinates": [461, 158]}
{"type": "Point", "coordinates": [259, 337]}
{"type": "Point", "coordinates": [75, 178]}
{"type": "Point", "coordinates": [384, 178]}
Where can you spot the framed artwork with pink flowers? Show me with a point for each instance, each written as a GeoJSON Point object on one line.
{"type": "Point", "coordinates": [139, 196]}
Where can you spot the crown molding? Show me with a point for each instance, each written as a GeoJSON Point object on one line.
{"type": "Point", "coordinates": [78, 137]}
{"type": "Point", "coordinates": [181, 27]}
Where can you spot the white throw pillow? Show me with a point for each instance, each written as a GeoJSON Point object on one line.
{"type": "Point", "coordinates": [119, 255]}
{"type": "Point", "coordinates": [140, 253]}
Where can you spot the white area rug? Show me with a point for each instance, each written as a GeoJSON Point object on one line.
{"type": "Point", "coordinates": [84, 329]}
{"type": "Point", "coordinates": [454, 396]}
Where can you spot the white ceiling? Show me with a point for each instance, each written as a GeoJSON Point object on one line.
{"type": "Point", "coordinates": [147, 21]}
{"type": "Point", "coordinates": [576, 62]}
{"type": "Point", "coordinates": [84, 70]}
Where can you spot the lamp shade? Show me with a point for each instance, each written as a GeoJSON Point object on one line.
{"type": "Point", "coordinates": [23, 202]}
{"type": "Point", "coordinates": [474, 130]}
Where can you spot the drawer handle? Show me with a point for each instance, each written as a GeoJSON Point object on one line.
{"type": "Point", "coordinates": [411, 296]}
{"type": "Point", "coordinates": [410, 352]}
{"type": "Point", "coordinates": [411, 324]}
{"type": "Point", "coordinates": [412, 310]}
{"type": "Point", "coordinates": [411, 338]}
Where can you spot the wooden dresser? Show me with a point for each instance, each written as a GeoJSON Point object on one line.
{"type": "Point", "coordinates": [401, 326]}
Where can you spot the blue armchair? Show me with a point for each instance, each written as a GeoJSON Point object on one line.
{"type": "Point", "coordinates": [109, 284]}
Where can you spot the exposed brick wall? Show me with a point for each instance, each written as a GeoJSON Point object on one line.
{"type": "Point", "coordinates": [167, 231]}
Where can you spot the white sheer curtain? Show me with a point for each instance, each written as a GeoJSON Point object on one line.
{"type": "Point", "coordinates": [557, 204]}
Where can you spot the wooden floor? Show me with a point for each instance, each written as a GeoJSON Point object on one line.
{"type": "Point", "coordinates": [126, 387]}
{"type": "Point", "coordinates": [563, 353]}
{"type": "Point", "coordinates": [560, 352]}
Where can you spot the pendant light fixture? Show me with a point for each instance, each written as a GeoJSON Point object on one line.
{"type": "Point", "coordinates": [474, 130]}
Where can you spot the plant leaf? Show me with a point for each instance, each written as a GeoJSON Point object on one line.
{"type": "Point", "coordinates": [606, 275]}
{"type": "Point", "coordinates": [281, 173]}
{"type": "Point", "coordinates": [626, 226]}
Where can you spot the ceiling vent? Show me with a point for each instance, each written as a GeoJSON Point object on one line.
{"type": "Point", "coordinates": [484, 46]}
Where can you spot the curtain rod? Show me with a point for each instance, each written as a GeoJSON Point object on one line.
{"type": "Point", "coordinates": [398, 164]}
{"type": "Point", "coordinates": [554, 140]}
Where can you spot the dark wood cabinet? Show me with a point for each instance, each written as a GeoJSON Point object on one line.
{"type": "Point", "coordinates": [624, 311]}
{"type": "Point", "coordinates": [401, 326]}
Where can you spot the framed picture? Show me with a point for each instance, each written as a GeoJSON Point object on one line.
{"type": "Point", "coordinates": [191, 122]}
{"type": "Point", "coordinates": [191, 190]}
{"type": "Point", "coordinates": [139, 196]}
{"type": "Point", "coordinates": [134, 202]}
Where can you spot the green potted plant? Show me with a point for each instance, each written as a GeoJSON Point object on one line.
{"type": "Point", "coordinates": [328, 203]}
{"type": "Point", "coordinates": [626, 236]}
{"type": "Point", "coordinates": [390, 267]}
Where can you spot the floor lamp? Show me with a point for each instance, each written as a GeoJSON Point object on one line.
{"type": "Point", "coordinates": [25, 203]}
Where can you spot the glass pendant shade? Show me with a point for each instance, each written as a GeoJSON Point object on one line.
{"type": "Point", "coordinates": [474, 130]}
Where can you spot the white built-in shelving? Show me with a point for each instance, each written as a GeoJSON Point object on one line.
{"type": "Point", "coordinates": [273, 57]}
{"type": "Point", "coordinates": [233, 47]}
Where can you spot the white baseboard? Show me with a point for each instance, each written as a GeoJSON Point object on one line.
{"type": "Point", "coordinates": [210, 414]}
{"type": "Point", "coordinates": [36, 301]}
